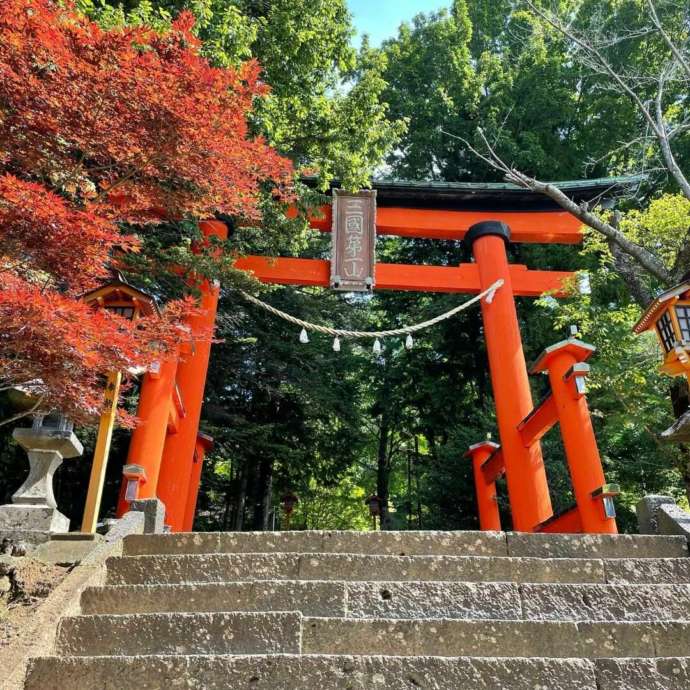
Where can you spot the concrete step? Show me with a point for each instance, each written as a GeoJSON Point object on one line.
{"type": "Point", "coordinates": [499, 600]}
{"type": "Point", "coordinates": [180, 633]}
{"type": "Point", "coordinates": [413, 544]}
{"type": "Point", "coordinates": [182, 569]}
{"type": "Point", "coordinates": [266, 633]}
{"type": "Point", "coordinates": [449, 637]}
{"type": "Point", "coordinates": [290, 672]}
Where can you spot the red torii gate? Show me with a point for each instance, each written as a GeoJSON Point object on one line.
{"type": "Point", "coordinates": [166, 449]}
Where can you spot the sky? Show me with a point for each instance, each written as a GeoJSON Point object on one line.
{"type": "Point", "coordinates": [381, 18]}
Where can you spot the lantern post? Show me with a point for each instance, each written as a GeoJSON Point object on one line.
{"type": "Point", "coordinates": [118, 297]}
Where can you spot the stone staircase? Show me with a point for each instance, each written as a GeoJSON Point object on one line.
{"type": "Point", "coordinates": [381, 610]}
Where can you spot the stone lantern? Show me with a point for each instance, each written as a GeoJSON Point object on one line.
{"type": "Point", "coordinates": [33, 515]}
{"type": "Point", "coordinates": [669, 316]}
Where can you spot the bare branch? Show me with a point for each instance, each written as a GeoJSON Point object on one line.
{"type": "Point", "coordinates": [641, 255]}
{"type": "Point", "coordinates": [655, 120]}
{"type": "Point", "coordinates": [669, 42]}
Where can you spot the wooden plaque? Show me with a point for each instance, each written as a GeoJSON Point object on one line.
{"type": "Point", "coordinates": [353, 254]}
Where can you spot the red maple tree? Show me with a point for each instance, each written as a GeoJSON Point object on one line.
{"type": "Point", "coordinates": [100, 127]}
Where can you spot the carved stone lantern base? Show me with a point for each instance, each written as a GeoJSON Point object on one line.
{"type": "Point", "coordinates": [33, 515]}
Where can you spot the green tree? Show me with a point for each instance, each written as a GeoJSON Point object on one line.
{"type": "Point", "coordinates": [325, 109]}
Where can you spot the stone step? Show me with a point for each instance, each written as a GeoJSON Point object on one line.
{"type": "Point", "coordinates": [500, 600]}
{"type": "Point", "coordinates": [266, 633]}
{"type": "Point", "coordinates": [672, 673]}
{"type": "Point", "coordinates": [288, 672]}
{"type": "Point", "coordinates": [183, 569]}
{"type": "Point", "coordinates": [480, 638]}
{"type": "Point", "coordinates": [180, 633]}
{"type": "Point", "coordinates": [309, 597]}
{"type": "Point", "coordinates": [413, 544]}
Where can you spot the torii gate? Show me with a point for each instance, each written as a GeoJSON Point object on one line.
{"type": "Point", "coordinates": [166, 451]}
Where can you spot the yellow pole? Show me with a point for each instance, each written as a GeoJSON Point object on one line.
{"type": "Point", "coordinates": [100, 456]}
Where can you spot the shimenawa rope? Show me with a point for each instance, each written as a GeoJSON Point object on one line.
{"type": "Point", "coordinates": [343, 333]}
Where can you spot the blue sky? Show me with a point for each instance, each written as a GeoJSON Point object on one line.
{"type": "Point", "coordinates": [381, 18]}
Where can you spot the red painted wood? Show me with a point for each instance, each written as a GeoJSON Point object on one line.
{"type": "Point", "coordinates": [494, 468]}
{"type": "Point", "coordinates": [461, 279]}
{"type": "Point", "coordinates": [539, 421]}
{"type": "Point", "coordinates": [566, 523]}
{"type": "Point", "coordinates": [539, 227]}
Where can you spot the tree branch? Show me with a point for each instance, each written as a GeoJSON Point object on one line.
{"type": "Point", "coordinates": [655, 120]}
{"type": "Point", "coordinates": [667, 39]}
{"type": "Point", "coordinates": [641, 255]}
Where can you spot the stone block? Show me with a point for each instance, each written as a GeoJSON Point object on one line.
{"type": "Point", "coordinates": [643, 674]}
{"type": "Point", "coordinates": [648, 571]}
{"type": "Point", "coordinates": [647, 509]}
{"type": "Point", "coordinates": [594, 546]}
{"type": "Point", "coordinates": [672, 519]}
{"type": "Point", "coordinates": [433, 600]}
{"type": "Point", "coordinates": [392, 543]}
{"type": "Point", "coordinates": [154, 514]}
{"type": "Point", "coordinates": [15, 518]}
{"type": "Point", "coordinates": [309, 598]}
{"type": "Point", "coordinates": [440, 637]}
{"type": "Point", "coordinates": [586, 602]}
{"type": "Point", "coordinates": [180, 633]}
{"type": "Point", "coordinates": [67, 549]}
{"type": "Point", "coordinates": [143, 570]}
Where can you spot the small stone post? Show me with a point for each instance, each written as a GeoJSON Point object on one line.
{"type": "Point", "coordinates": [33, 515]}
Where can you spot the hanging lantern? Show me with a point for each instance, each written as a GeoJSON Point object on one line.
{"type": "Point", "coordinates": [119, 297]}
{"type": "Point", "coordinates": [669, 316]}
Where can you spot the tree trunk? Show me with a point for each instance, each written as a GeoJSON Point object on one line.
{"type": "Point", "coordinates": [241, 499]}
{"type": "Point", "coordinates": [383, 470]}
{"type": "Point", "coordinates": [267, 503]}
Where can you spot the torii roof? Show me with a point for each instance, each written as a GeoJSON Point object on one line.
{"type": "Point", "coordinates": [490, 196]}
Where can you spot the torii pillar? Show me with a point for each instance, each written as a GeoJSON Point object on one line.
{"type": "Point", "coordinates": [528, 490]}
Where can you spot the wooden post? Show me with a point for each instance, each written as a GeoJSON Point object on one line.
{"type": "Point", "coordinates": [100, 456]}
{"type": "Point", "coordinates": [562, 361]}
{"type": "Point", "coordinates": [178, 455]}
{"type": "Point", "coordinates": [487, 505]}
{"type": "Point", "coordinates": [148, 439]}
{"type": "Point", "coordinates": [528, 490]}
